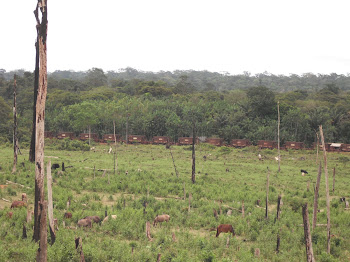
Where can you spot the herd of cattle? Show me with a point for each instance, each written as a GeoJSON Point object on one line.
{"type": "Point", "coordinates": [89, 220]}
{"type": "Point", "coordinates": [165, 140]}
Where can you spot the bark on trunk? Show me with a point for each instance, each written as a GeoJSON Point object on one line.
{"type": "Point", "coordinates": [307, 235]}
{"type": "Point", "coordinates": [279, 207]}
{"type": "Point", "coordinates": [50, 206]}
{"type": "Point", "coordinates": [327, 193]}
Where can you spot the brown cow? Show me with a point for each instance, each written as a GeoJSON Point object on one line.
{"type": "Point", "coordinates": [224, 228]}
{"type": "Point", "coordinates": [85, 223]}
{"type": "Point", "coordinates": [67, 215]}
{"type": "Point", "coordinates": [95, 219]}
{"type": "Point", "coordinates": [161, 218]}
{"type": "Point", "coordinates": [107, 218]}
{"type": "Point", "coordinates": [18, 204]}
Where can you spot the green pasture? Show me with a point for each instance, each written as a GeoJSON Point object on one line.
{"type": "Point", "coordinates": [145, 173]}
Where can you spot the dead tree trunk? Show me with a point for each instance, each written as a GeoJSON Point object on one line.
{"type": "Point", "coordinates": [316, 196]}
{"type": "Point", "coordinates": [79, 248]}
{"type": "Point", "coordinates": [307, 235]}
{"type": "Point", "coordinates": [267, 193]}
{"type": "Point", "coordinates": [40, 227]}
{"type": "Point", "coordinates": [278, 243]}
{"type": "Point", "coordinates": [50, 206]}
{"type": "Point", "coordinates": [317, 146]}
{"type": "Point", "coordinates": [194, 154]}
{"type": "Point", "coordinates": [327, 193]}
{"type": "Point", "coordinates": [278, 136]}
{"type": "Point", "coordinates": [36, 87]}
{"type": "Point", "coordinates": [15, 139]}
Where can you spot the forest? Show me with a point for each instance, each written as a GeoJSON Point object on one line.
{"type": "Point", "coordinates": [169, 103]}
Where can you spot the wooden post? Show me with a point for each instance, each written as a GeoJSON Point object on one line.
{"type": "Point", "coordinates": [15, 139]}
{"type": "Point", "coordinates": [267, 193]}
{"type": "Point", "coordinates": [158, 257]}
{"type": "Point", "coordinates": [79, 248]}
{"type": "Point", "coordinates": [307, 235]}
{"type": "Point", "coordinates": [148, 231]}
{"type": "Point", "coordinates": [278, 136]}
{"type": "Point", "coordinates": [314, 219]}
{"type": "Point", "coordinates": [24, 231]}
{"type": "Point", "coordinates": [50, 206]}
{"type": "Point", "coordinates": [333, 178]}
{"type": "Point", "coordinates": [278, 243]}
{"type": "Point", "coordinates": [194, 154]}
{"type": "Point", "coordinates": [279, 207]}
{"type": "Point", "coordinates": [327, 193]}
{"type": "Point", "coordinates": [243, 208]}
{"type": "Point", "coordinates": [40, 226]}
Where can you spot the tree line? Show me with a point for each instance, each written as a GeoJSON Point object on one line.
{"type": "Point", "coordinates": [171, 105]}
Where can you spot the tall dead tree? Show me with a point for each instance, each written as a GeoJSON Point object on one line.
{"type": "Point", "coordinates": [327, 193]}
{"type": "Point", "coordinates": [40, 226]}
{"type": "Point", "coordinates": [314, 219]}
{"type": "Point", "coordinates": [15, 138]}
{"type": "Point", "coordinates": [194, 154]}
{"type": "Point", "coordinates": [333, 179]}
{"type": "Point", "coordinates": [278, 136]}
{"type": "Point", "coordinates": [36, 86]}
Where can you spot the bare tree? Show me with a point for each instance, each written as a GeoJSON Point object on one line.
{"type": "Point", "coordinates": [40, 226]}
{"type": "Point", "coordinates": [15, 138]}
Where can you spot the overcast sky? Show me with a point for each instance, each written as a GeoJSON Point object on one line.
{"type": "Point", "coordinates": [277, 36]}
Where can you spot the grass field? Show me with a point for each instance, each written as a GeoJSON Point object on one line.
{"type": "Point", "coordinates": [145, 173]}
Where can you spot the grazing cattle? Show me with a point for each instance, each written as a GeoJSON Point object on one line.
{"type": "Point", "coordinates": [67, 215]}
{"type": "Point", "coordinates": [342, 199]}
{"type": "Point", "coordinates": [85, 222]}
{"type": "Point", "coordinates": [106, 218]}
{"type": "Point", "coordinates": [95, 219]}
{"type": "Point", "coordinates": [55, 166]}
{"type": "Point", "coordinates": [18, 204]}
{"type": "Point", "coordinates": [260, 157]}
{"type": "Point", "coordinates": [161, 218]}
{"type": "Point", "coordinates": [24, 197]}
{"type": "Point", "coordinates": [303, 172]}
{"type": "Point", "coordinates": [225, 228]}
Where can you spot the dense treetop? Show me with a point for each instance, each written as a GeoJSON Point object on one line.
{"type": "Point", "coordinates": [167, 103]}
